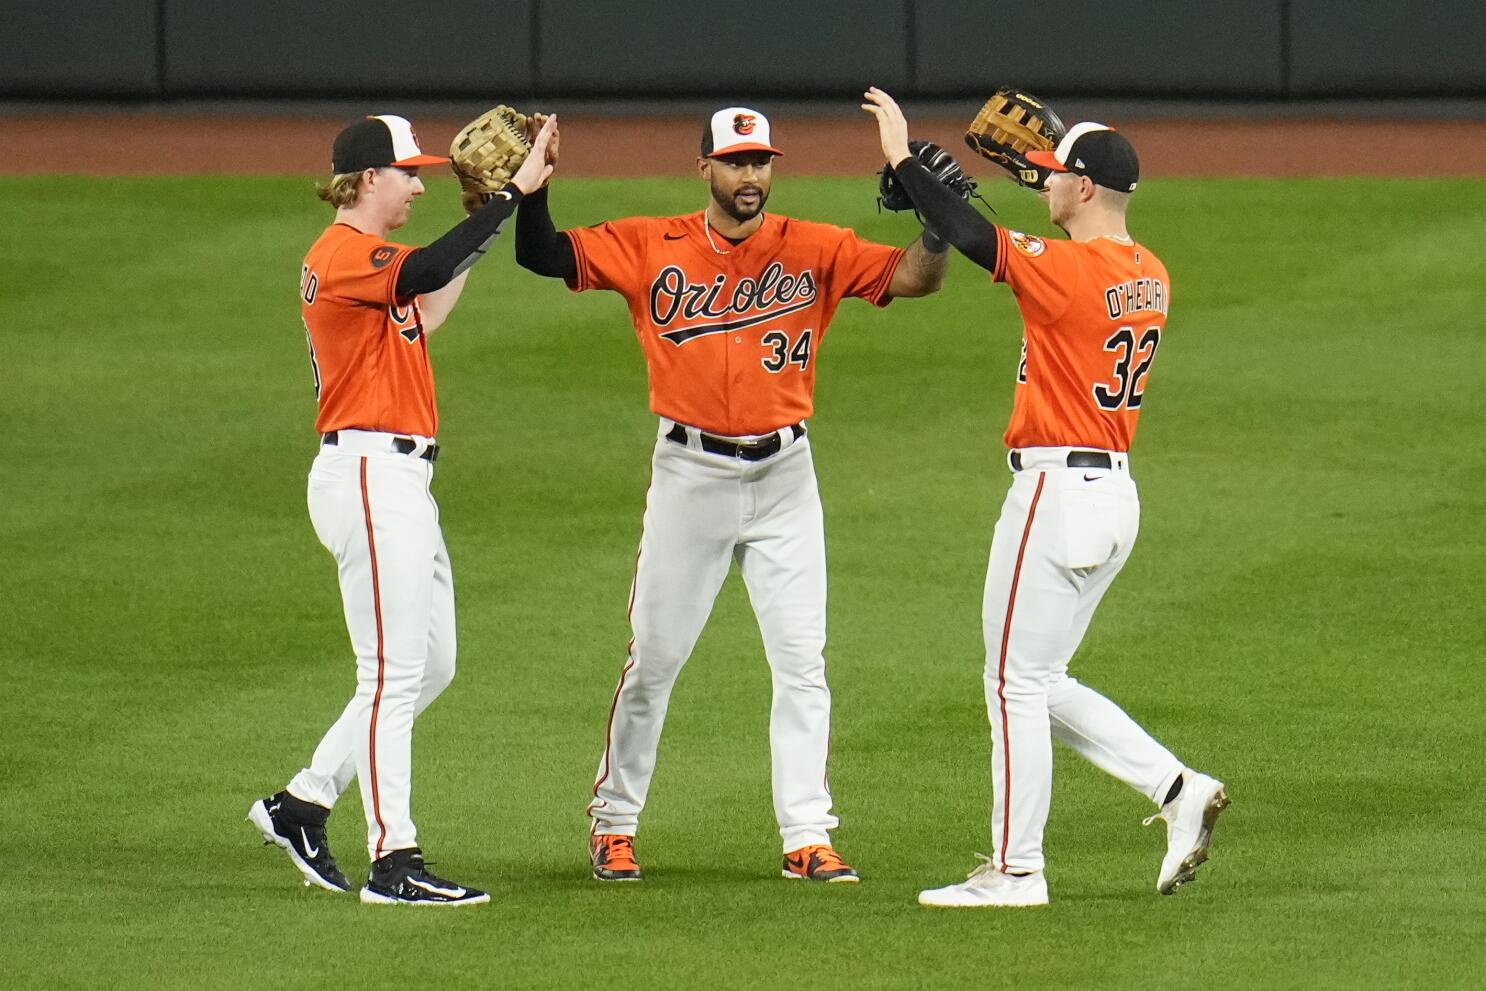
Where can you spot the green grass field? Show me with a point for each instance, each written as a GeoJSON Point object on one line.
{"type": "Point", "coordinates": [1297, 617]}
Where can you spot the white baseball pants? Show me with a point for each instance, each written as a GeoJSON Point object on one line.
{"type": "Point", "coordinates": [373, 510]}
{"type": "Point", "coordinates": [703, 512]}
{"type": "Point", "coordinates": [1063, 535]}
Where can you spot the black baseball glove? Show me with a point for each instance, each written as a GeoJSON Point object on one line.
{"type": "Point", "coordinates": [940, 164]}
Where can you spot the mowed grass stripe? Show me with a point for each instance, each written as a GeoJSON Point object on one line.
{"type": "Point", "coordinates": [1297, 618]}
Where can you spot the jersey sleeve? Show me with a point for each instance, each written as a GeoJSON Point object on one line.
{"type": "Point", "coordinates": [609, 255]}
{"type": "Point", "coordinates": [862, 268]}
{"type": "Point", "coordinates": [1042, 273]}
{"type": "Point", "coordinates": [365, 269]}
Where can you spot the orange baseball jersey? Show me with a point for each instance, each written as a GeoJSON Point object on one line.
{"type": "Point", "coordinates": [1093, 313]}
{"type": "Point", "coordinates": [367, 347]}
{"type": "Point", "coordinates": [729, 334]}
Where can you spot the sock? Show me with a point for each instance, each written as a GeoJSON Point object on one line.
{"type": "Point", "coordinates": [300, 811]}
{"type": "Point", "coordinates": [1176, 789]}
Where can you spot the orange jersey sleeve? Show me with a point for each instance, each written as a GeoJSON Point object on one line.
{"type": "Point", "coordinates": [1093, 315]}
{"type": "Point", "coordinates": [862, 269]}
{"type": "Point", "coordinates": [367, 348]}
{"type": "Point", "coordinates": [363, 268]}
{"type": "Point", "coordinates": [730, 332]}
{"type": "Point", "coordinates": [609, 255]}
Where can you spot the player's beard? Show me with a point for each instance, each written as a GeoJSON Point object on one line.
{"type": "Point", "coordinates": [728, 202]}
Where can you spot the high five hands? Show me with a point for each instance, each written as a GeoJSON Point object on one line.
{"type": "Point", "coordinates": [541, 161]}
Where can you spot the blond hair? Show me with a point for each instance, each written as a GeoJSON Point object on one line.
{"type": "Point", "coordinates": [341, 190]}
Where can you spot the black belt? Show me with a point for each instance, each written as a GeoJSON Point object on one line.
{"type": "Point", "coordinates": [754, 451]}
{"type": "Point", "coordinates": [402, 445]}
{"type": "Point", "coordinates": [1076, 459]}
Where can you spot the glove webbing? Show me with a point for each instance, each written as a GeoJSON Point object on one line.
{"type": "Point", "coordinates": [1009, 123]}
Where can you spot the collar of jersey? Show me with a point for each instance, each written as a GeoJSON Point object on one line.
{"type": "Point", "coordinates": [701, 220]}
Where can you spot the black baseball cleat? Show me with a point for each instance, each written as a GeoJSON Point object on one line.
{"type": "Point", "coordinates": [299, 828]}
{"type": "Point", "coordinates": [402, 878]}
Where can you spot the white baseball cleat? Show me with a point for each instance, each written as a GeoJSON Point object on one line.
{"type": "Point", "coordinates": [986, 887]}
{"type": "Point", "coordinates": [1189, 828]}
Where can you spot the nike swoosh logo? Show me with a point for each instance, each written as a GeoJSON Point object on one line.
{"type": "Point", "coordinates": [1092, 478]}
{"type": "Point", "coordinates": [673, 237]}
{"type": "Point", "coordinates": [797, 865]}
{"type": "Point", "coordinates": [309, 851]}
{"type": "Point", "coordinates": [435, 890]}
{"type": "Point", "coordinates": [503, 194]}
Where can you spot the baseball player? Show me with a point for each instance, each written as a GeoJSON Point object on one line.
{"type": "Point", "coordinates": [1094, 310]}
{"type": "Point", "coordinates": [730, 305]}
{"type": "Point", "coordinates": [369, 305]}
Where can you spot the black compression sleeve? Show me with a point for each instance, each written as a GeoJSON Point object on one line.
{"type": "Point", "coordinates": [951, 218]}
{"type": "Point", "coordinates": [434, 267]}
{"type": "Point", "coordinates": [539, 247]}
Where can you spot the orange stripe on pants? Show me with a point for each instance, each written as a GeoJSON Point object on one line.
{"type": "Point", "coordinates": [371, 544]}
{"type": "Point", "coordinates": [1001, 671]}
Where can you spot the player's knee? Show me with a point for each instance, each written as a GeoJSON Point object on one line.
{"type": "Point", "coordinates": [439, 673]}
{"type": "Point", "coordinates": [1014, 685]}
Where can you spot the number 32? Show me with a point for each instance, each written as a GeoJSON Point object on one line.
{"type": "Point", "coordinates": [1128, 389]}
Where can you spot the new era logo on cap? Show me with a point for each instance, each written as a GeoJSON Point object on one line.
{"type": "Point", "coordinates": [1097, 151]}
{"type": "Point", "coordinates": [737, 129]}
{"type": "Point", "coordinates": [376, 142]}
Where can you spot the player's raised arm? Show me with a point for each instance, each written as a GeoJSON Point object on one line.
{"type": "Point", "coordinates": [946, 212]}
{"type": "Point", "coordinates": [540, 248]}
{"type": "Point", "coordinates": [921, 270]}
{"type": "Point", "coordinates": [430, 269]}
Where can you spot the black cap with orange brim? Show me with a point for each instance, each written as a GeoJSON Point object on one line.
{"type": "Point", "coordinates": [1097, 151]}
{"type": "Point", "coordinates": [377, 142]}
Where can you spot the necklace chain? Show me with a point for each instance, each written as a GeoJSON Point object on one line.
{"type": "Point", "coordinates": [707, 226]}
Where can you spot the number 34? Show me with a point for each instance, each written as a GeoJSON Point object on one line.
{"type": "Point", "coordinates": [784, 354]}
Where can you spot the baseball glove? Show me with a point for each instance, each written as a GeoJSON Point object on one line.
{"type": "Point", "coordinates": [487, 152]}
{"type": "Point", "coordinates": [940, 164]}
{"type": "Point", "coordinates": [1009, 125]}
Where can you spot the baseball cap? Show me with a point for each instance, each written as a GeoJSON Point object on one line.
{"type": "Point", "coordinates": [385, 139]}
{"type": "Point", "coordinates": [1097, 151]}
{"type": "Point", "coordinates": [735, 129]}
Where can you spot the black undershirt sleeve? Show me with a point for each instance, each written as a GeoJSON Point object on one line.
{"type": "Point", "coordinates": [539, 246]}
{"type": "Point", "coordinates": [434, 267]}
{"type": "Point", "coordinates": [951, 218]}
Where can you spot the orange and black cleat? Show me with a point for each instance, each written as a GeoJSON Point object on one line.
{"type": "Point", "coordinates": [818, 863]}
{"type": "Point", "coordinates": [613, 857]}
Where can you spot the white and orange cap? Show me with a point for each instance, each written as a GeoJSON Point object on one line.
{"type": "Point", "coordinates": [376, 142]}
{"type": "Point", "coordinates": [736, 129]}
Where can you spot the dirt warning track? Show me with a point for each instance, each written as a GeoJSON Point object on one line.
{"type": "Point", "coordinates": [167, 144]}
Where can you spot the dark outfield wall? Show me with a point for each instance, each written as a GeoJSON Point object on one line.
{"type": "Point", "coordinates": [622, 48]}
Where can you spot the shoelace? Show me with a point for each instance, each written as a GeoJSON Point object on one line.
{"type": "Point", "coordinates": [620, 851]}
{"type": "Point", "coordinates": [986, 866]}
{"type": "Point", "coordinates": [420, 870]}
{"type": "Point", "coordinates": [1152, 818]}
{"type": "Point", "coordinates": [830, 860]}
